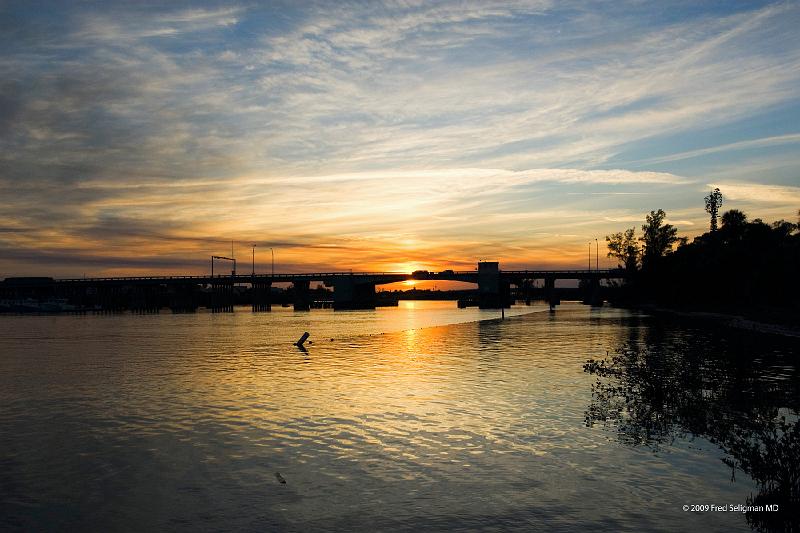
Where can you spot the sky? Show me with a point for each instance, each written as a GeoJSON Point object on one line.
{"type": "Point", "coordinates": [140, 137]}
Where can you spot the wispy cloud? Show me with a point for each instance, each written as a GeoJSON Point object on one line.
{"type": "Point", "coordinates": [126, 27]}
{"type": "Point", "coordinates": [760, 192]}
{"type": "Point", "coordinates": [449, 215]}
{"type": "Point", "coordinates": [776, 140]}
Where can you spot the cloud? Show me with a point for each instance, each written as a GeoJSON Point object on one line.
{"type": "Point", "coordinates": [124, 27]}
{"type": "Point", "coordinates": [338, 130]}
{"type": "Point", "coordinates": [377, 216]}
{"type": "Point", "coordinates": [759, 192]}
{"type": "Point", "coordinates": [556, 105]}
{"type": "Point", "coordinates": [776, 140]}
{"type": "Point", "coordinates": [480, 177]}
{"type": "Point", "coordinates": [443, 85]}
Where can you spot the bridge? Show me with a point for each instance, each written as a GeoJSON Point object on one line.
{"type": "Point", "coordinates": [351, 290]}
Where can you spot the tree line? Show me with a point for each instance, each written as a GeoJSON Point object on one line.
{"type": "Point", "coordinates": [738, 264]}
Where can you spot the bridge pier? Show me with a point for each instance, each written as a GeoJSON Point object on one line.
{"type": "Point", "coordinates": [525, 287]}
{"type": "Point", "coordinates": [592, 295]}
{"type": "Point", "coordinates": [352, 293]}
{"type": "Point", "coordinates": [143, 300]}
{"type": "Point", "coordinates": [550, 292]}
{"type": "Point", "coordinates": [222, 296]}
{"type": "Point", "coordinates": [302, 295]}
{"type": "Point", "coordinates": [262, 295]}
{"type": "Point", "coordinates": [183, 299]}
{"type": "Point", "coordinates": [493, 292]}
{"type": "Point", "coordinates": [110, 299]}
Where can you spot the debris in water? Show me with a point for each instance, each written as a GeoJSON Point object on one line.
{"type": "Point", "coordinates": [279, 477]}
{"type": "Point", "coordinates": [302, 340]}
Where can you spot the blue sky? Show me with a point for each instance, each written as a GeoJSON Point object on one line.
{"type": "Point", "coordinates": [393, 135]}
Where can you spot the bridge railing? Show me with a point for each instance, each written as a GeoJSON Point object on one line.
{"type": "Point", "coordinates": [238, 276]}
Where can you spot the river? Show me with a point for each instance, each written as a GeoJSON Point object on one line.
{"type": "Point", "coordinates": [423, 416]}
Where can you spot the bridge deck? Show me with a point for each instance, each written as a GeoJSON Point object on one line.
{"type": "Point", "coordinates": [368, 277]}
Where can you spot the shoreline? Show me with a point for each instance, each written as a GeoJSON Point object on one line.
{"type": "Point", "coordinates": [723, 319]}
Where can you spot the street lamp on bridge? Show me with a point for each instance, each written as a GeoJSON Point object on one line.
{"type": "Point", "coordinates": [233, 272]}
{"type": "Point", "coordinates": [597, 255]}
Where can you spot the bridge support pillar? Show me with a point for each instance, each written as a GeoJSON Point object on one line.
{"type": "Point", "coordinates": [142, 300]}
{"type": "Point", "coordinates": [183, 299]}
{"type": "Point", "coordinates": [351, 293]}
{"type": "Point", "coordinates": [222, 296]}
{"type": "Point", "coordinates": [526, 291]}
{"type": "Point", "coordinates": [262, 295]}
{"type": "Point", "coordinates": [550, 293]}
{"type": "Point", "coordinates": [302, 296]}
{"type": "Point", "coordinates": [592, 294]}
{"type": "Point", "coordinates": [493, 292]}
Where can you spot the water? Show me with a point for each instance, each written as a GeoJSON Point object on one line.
{"type": "Point", "coordinates": [181, 422]}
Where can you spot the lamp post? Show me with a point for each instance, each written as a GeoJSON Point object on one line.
{"type": "Point", "coordinates": [597, 255]}
{"type": "Point", "coordinates": [233, 272]}
{"type": "Point", "coordinates": [254, 260]}
{"type": "Point", "coordinates": [590, 256]}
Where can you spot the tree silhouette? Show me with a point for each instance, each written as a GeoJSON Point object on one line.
{"type": "Point", "coordinates": [783, 228]}
{"type": "Point", "coordinates": [749, 267]}
{"type": "Point", "coordinates": [658, 238]}
{"type": "Point", "coordinates": [734, 227]}
{"type": "Point", "coordinates": [713, 203]}
{"type": "Point", "coordinates": [624, 247]}
{"type": "Point", "coordinates": [734, 219]}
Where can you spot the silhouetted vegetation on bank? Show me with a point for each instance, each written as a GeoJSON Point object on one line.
{"type": "Point", "coordinates": [742, 266]}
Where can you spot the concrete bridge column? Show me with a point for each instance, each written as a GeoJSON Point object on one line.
{"type": "Point", "coordinates": [262, 296]}
{"type": "Point", "coordinates": [222, 296]}
{"type": "Point", "coordinates": [592, 292]}
{"type": "Point", "coordinates": [183, 299]}
{"type": "Point", "coordinates": [143, 299]}
{"type": "Point", "coordinates": [137, 299]}
{"type": "Point", "coordinates": [488, 285]}
{"type": "Point", "coordinates": [110, 299]}
{"type": "Point", "coordinates": [302, 296]}
{"type": "Point", "coordinates": [550, 292]}
{"type": "Point", "coordinates": [493, 293]}
{"type": "Point", "coordinates": [506, 299]}
{"type": "Point", "coordinates": [352, 293]}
